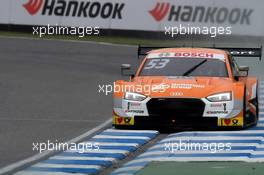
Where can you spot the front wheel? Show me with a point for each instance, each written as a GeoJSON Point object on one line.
{"type": "Point", "coordinates": [250, 118]}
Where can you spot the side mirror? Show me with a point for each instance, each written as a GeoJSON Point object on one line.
{"type": "Point", "coordinates": [243, 71]}
{"type": "Point", "coordinates": [126, 70]}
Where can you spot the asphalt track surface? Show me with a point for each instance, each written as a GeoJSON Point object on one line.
{"type": "Point", "coordinates": [49, 91]}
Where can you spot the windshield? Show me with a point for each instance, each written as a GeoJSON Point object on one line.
{"type": "Point", "coordinates": [184, 67]}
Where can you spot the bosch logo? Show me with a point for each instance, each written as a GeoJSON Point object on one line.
{"type": "Point", "coordinates": [160, 11]}
{"type": "Point", "coordinates": [33, 6]}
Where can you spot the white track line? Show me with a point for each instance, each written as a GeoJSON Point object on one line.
{"type": "Point", "coordinates": [196, 153]}
{"type": "Point", "coordinates": [215, 138]}
{"type": "Point", "coordinates": [217, 132]}
{"type": "Point", "coordinates": [164, 147]}
{"type": "Point", "coordinates": [49, 153]}
{"type": "Point", "coordinates": [111, 159]}
{"type": "Point", "coordinates": [261, 113]}
{"type": "Point", "coordinates": [44, 173]}
{"type": "Point", "coordinates": [188, 159]}
{"type": "Point", "coordinates": [120, 137]}
{"type": "Point", "coordinates": [100, 151]}
{"type": "Point", "coordinates": [50, 165]}
{"type": "Point", "coordinates": [114, 144]}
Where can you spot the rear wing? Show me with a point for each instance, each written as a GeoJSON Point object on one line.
{"type": "Point", "coordinates": [236, 52]}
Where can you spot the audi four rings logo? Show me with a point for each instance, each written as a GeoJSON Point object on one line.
{"type": "Point", "coordinates": [33, 6]}
{"type": "Point", "coordinates": [160, 11]}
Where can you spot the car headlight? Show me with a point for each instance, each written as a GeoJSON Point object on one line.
{"type": "Point", "coordinates": [227, 96]}
{"type": "Point", "coordinates": [134, 96]}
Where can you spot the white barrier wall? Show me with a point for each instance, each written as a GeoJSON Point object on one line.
{"type": "Point", "coordinates": [244, 16]}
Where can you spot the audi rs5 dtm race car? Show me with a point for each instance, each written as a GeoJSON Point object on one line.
{"type": "Point", "coordinates": [188, 88]}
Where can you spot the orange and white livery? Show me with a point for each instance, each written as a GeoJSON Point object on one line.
{"type": "Point", "coordinates": [188, 88]}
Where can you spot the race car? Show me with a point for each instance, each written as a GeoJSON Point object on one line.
{"type": "Point", "coordinates": [187, 88]}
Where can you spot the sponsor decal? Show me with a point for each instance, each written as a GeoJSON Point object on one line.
{"type": "Point", "coordinates": [199, 55]}
{"type": "Point", "coordinates": [133, 104]}
{"type": "Point", "coordinates": [73, 8]}
{"type": "Point", "coordinates": [200, 14]}
{"type": "Point", "coordinates": [164, 86]}
{"type": "Point", "coordinates": [191, 54]}
{"type": "Point", "coordinates": [218, 105]}
{"type": "Point", "coordinates": [164, 54]}
{"type": "Point", "coordinates": [244, 53]}
{"type": "Point", "coordinates": [123, 120]}
{"type": "Point", "coordinates": [186, 86]}
{"type": "Point", "coordinates": [160, 87]}
{"type": "Point", "coordinates": [135, 111]}
{"type": "Point", "coordinates": [186, 55]}
{"type": "Point", "coordinates": [236, 121]}
{"type": "Point", "coordinates": [217, 112]}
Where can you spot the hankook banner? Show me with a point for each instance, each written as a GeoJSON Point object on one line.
{"type": "Point", "coordinates": [243, 16]}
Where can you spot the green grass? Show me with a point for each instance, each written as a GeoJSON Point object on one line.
{"type": "Point", "coordinates": [107, 39]}
{"type": "Point", "coordinates": [202, 168]}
